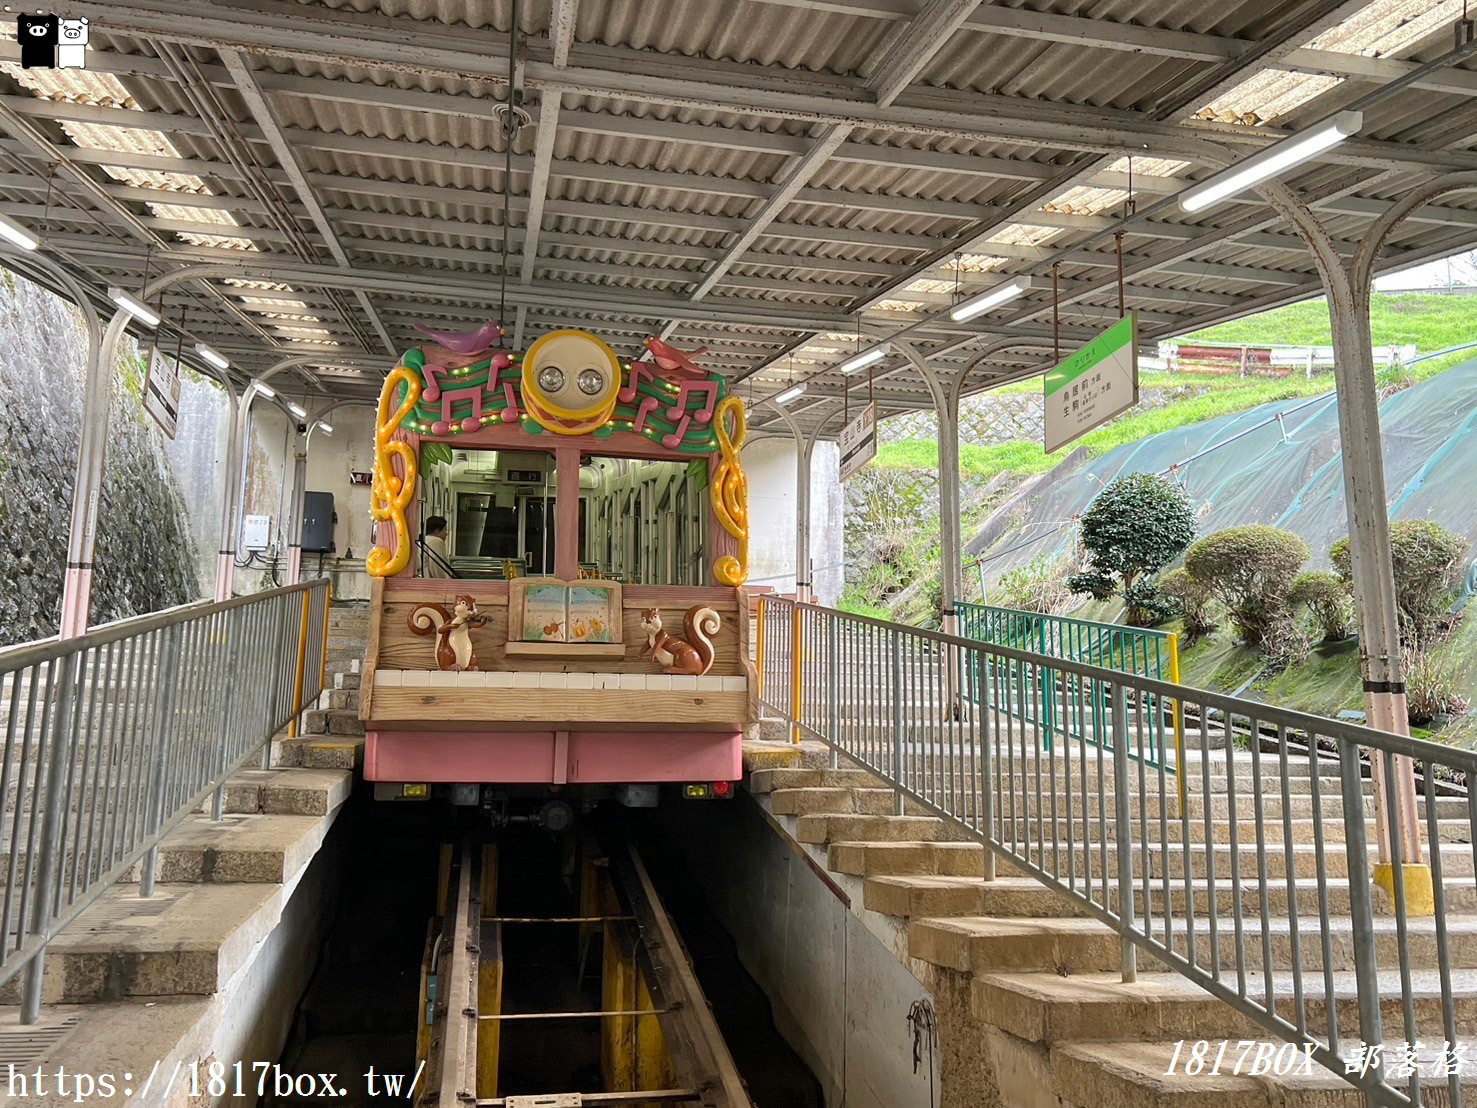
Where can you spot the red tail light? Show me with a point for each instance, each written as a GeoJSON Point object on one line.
{"type": "Point", "coordinates": [722, 788]}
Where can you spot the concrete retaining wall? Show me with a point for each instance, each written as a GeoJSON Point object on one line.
{"type": "Point", "coordinates": [839, 995]}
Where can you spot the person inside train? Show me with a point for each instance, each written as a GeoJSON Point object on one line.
{"type": "Point", "coordinates": [436, 562]}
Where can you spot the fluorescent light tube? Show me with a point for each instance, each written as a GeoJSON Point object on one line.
{"type": "Point", "coordinates": [790, 393]}
{"type": "Point", "coordinates": [327, 427]}
{"type": "Point", "coordinates": [297, 411]}
{"type": "Point", "coordinates": [212, 357]}
{"type": "Point", "coordinates": [863, 360]}
{"type": "Point", "coordinates": [265, 389]}
{"type": "Point", "coordinates": [140, 311]}
{"type": "Point", "coordinates": [17, 233]}
{"type": "Point", "coordinates": [972, 307]}
{"type": "Point", "coordinates": [1271, 162]}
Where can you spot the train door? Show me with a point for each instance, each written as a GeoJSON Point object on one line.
{"type": "Point", "coordinates": [536, 537]}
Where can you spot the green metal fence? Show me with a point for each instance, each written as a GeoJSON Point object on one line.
{"type": "Point", "coordinates": [1054, 701]}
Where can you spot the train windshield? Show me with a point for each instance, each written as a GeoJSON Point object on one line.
{"type": "Point", "coordinates": [499, 513]}
{"type": "Point", "coordinates": [645, 522]}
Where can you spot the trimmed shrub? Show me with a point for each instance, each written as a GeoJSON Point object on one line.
{"type": "Point", "coordinates": [1251, 570]}
{"type": "Point", "coordinates": [1427, 559]}
{"type": "Point", "coordinates": [1146, 604]}
{"type": "Point", "coordinates": [1327, 598]}
{"type": "Point", "coordinates": [1136, 526]}
{"type": "Point", "coordinates": [1192, 599]}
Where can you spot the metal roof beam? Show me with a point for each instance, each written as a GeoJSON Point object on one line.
{"type": "Point", "coordinates": [261, 111]}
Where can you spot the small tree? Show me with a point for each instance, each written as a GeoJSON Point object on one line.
{"type": "Point", "coordinates": [1192, 598]}
{"type": "Point", "coordinates": [1327, 597]}
{"type": "Point", "coordinates": [1427, 560]}
{"type": "Point", "coordinates": [1135, 527]}
{"type": "Point", "coordinates": [1251, 570]}
{"type": "Point", "coordinates": [1038, 586]}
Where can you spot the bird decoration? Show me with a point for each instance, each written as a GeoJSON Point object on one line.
{"type": "Point", "coordinates": [465, 342]}
{"type": "Point", "coordinates": [670, 359]}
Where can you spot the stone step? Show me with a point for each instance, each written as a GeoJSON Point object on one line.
{"type": "Point", "coordinates": [186, 940]}
{"type": "Point", "coordinates": [250, 849]}
{"type": "Point", "coordinates": [301, 792]}
{"type": "Point", "coordinates": [1275, 831]}
{"type": "Point", "coordinates": [838, 800]}
{"type": "Point", "coordinates": [868, 859]}
{"type": "Point", "coordinates": [983, 944]}
{"type": "Point", "coordinates": [344, 698]}
{"type": "Point", "coordinates": [859, 828]}
{"type": "Point", "coordinates": [918, 895]}
{"type": "Point", "coordinates": [1049, 1009]}
{"type": "Point", "coordinates": [318, 752]}
{"type": "Point", "coordinates": [768, 780]}
{"type": "Point", "coordinates": [1456, 859]}
{"type": "Point", "coordinates": [333, 721]}
{"type": "Point", "coordinates": [1132, 1075]}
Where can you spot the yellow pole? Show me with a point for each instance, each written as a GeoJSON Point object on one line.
{"type": "Point", "coordinates": [323, 662]}
{"type": "Point", "coordinates": [759, 646]}
{"type": "Point", "coordinates": [795, 689]}
{"type": "Point", "coordinates": [1178, 716]}
{"type": "Point", "coordinates": [302, 659]}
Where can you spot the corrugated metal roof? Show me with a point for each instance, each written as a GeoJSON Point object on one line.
{"type": "Point", "coordinates": [665, 193]}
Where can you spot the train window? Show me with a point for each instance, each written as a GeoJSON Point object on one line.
{"type": "Point", "coordinates": [501, 510]}
{"type": "Point", "coordinates": [645, 521]}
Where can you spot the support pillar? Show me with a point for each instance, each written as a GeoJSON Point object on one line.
{"type": "Point", "coordinates": [1348, 285]}
{"type": "Point", "coordinates": [295, 500]}
{"type": "Point", "coordinates": [231, 494]}
{"type": "Point", "coordinates": [804, 447]}
{"type": "Point", "coordinates": [87, 485]}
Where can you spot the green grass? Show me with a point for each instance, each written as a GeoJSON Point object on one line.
{"type": "Point", "coordinates": [1026, 457]}
{"type": "Point", "coordinates": [1431, 322]}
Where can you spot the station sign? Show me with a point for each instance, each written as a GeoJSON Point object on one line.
{"type": "Point", "coordinates": [1093, 385]}
{"type": "Point", "coordinates": [161, 391]}
{"type": "Point", "coordinates": [858, 441]}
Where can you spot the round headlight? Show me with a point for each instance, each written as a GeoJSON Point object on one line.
{"type": "Point", "coordinates": [551, 378]}
{"type": "Point", "coordinates": [591, 381]}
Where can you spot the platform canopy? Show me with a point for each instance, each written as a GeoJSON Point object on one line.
{"type": "Point", "coordinates": [768, 178]}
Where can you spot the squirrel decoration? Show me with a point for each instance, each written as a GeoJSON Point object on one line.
{"type": "Point", "coordinates": [453, 631]}
{"type": "Point", "coordinates": [691, 655]}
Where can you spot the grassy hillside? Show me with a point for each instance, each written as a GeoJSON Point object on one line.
{"type": "Point", "coordinates": [1431, 322]}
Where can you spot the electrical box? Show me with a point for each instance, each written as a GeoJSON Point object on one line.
{"type": "Point", "coordinates": [318, 521]}
{"type": "Point", "coordinates": [256, 532]}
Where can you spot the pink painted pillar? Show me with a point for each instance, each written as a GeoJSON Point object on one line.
{"type": "Point", "coordinates": [567, 514]}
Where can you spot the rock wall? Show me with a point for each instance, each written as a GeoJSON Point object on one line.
{"type": "Point", "coordinates": [145, 554]}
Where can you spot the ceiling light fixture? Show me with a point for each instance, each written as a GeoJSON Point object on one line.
{"type": "Point", "coordinates": [17, 233]}
{"type": "Point", "coordinates": [975, 305]}
{"type": "Point", "coordinates": [140, 311]}
{"type": "Point", "coordinates": [325, 426]}
{"type": "Point", "coordinates": [217, 360]}
{"type": "Point", "coordinates": [265, 389]}
{"type": "Point", "coordinates": [1271, 162]}
{"type": "Point", "coordinates": [863, 360]}
{"type": "Point", "coordinates": [299, 412]}
{"type": "Point", "coordinates": [790, 393]}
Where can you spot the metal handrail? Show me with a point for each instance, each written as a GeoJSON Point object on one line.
{"type": "Point", "coordinates": [116, 736]}
{"type": "Point", "coordinates": [1089, 817]}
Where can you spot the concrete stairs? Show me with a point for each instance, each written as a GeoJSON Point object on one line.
{"type": "Point", "coordinates": [1032, 1008]}
{"type": "Point", "coordinates": [332, 735]}
{"type": "Point", "coordinates": [222, 887]}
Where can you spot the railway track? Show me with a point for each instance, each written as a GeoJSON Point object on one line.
{"type": "Point", "coordinates": [660, 1044]}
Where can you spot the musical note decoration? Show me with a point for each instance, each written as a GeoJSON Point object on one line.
{"type": "Point", "coordinates": [390, 492]}
{"type": "Point", "coordinates": [663, 400]}
{"type": "Point", "coordinates": [729, 491]}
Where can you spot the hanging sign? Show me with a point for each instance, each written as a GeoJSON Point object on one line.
{"type": "Point", "coordinates": [858, 441]}
{"type": "Point", "coordinates": [161, 391]}
{"type": "Point", "coordinates": [1093, 385]}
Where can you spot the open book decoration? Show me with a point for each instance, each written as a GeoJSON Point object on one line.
{"type": "Point", "coordinates": [572, 613]}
